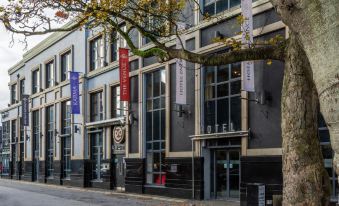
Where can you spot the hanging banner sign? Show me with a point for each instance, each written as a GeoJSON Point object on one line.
{"type": "Point", "coordinates": [248, 76]}
{"type": "Point", "coordinates": [124, 75]}
{"type": "Point", "coordinates": [180, 74]}
{"type": "Point", "coordinates": [25, 109]}
{"type": "Point", "coordinates": [247, 26]}
{"type": "Point", "coordinates": [75, 97]}
{"type": "Point", "coordinates": [246, 40]}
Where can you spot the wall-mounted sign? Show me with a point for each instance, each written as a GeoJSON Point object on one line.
{"type": "Point", "coordinates": [180, 73]}
{"type": "Point", "coordinates": [261, 195]}
{"type": "Point", "coordinates": [25, 109]}
{"type": "Point", "coordinates": [124, 75]}
{"type": "Point", "coordinates": [118, 135]}
{"type": "Point", "coordinates": [75, 100]}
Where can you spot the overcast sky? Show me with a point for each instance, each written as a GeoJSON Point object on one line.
{"type": "Point", "coordinates": [10, 56]}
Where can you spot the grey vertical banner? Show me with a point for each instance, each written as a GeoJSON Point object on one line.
{"type": "Point", "coordinates": [181, 81]}
{"type": "Point", "coordinates": [25, 109]}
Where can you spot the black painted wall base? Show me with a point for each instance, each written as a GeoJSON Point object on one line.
{"type": "Point", "coordinates": [178, 178]}
{"type": "Point", "coordinates": [260, 169]}
{"type": "Point", "coordinates": [27, 173]}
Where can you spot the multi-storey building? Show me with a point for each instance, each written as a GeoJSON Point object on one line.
{"type": "Point", "coordinates": [221, 141]}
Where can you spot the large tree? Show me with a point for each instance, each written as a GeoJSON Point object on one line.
{"type": "Point", "coordinates": [311, 57]}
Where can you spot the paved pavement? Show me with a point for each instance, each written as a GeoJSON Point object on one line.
{"type": "Point", "coordinates": [18, 193]}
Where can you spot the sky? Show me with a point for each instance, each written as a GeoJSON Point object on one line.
{"type": "Point", "coordinates": [9, 56]}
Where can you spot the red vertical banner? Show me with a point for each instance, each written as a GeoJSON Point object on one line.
{"type": "Point", "coordinates": [124, 74]}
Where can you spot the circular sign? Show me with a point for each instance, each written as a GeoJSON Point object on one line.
{"type": "Point", "coordinates": [118, 134]}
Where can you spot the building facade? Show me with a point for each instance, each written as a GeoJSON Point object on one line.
{"type": "Point", "coordinates": [223, 140]}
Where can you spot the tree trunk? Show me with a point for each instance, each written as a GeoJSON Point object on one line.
{"type": "Point", "coordinates": [317, 24]}
{"type": "Point", "coordinates": [306, 181]}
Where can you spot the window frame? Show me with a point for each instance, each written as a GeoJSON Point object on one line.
{"type": "Point", "coordinates": [64, 72]}
{"type": "Point", "coordinates": [96, 106]}
{"type": "Point", "coordinates": [158, 145]}
{"type": "Point", "coordinates": [14, 91]}
{"type": "Point", "coordinates": [49, 73]}
{"type": "Point", "coordinates": [49, 140]}
{"type": "Point", "coordinates": [215, 85]}
{"type": "Point", "coordinates": [98, 61]}
{"type": "Point", "coordinates": [36, 85]}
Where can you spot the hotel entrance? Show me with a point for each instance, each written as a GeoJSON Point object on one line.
{"type": "Point", "coordinates": [225, 165]}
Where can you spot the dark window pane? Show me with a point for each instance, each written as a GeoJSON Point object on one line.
{"type": "Point", "coordinates": [222, 74]}
{"type": "Point", "coordinates": [235, 87]}
{"type": "Point", "coordinates": [209, 9]}
{"type": "Point", "coordinates": [235, 123]}
{"type": "Point", "coordinates": [156, 128]}
{"type": "Point", "coordinates": [234, 3]}
{"type": "Point", "coordinates": [324, 135]}
{"type": "Point", "coordinates": [209, 116]}
{"type": "Point", "coordinates": [209, 75]}
{"type": "Point", "coordinates": [209, 92]}
{"type": "Point", "coordinates": [222, 5]}
{"type": "Point", "coordinates": [222, 90]}
{"type": "Point", "coordinates": [222, 116]}
{"type": "Point", "coordinates": [236, 70]}
{"type": "Point", "coordinates": [156, 83]}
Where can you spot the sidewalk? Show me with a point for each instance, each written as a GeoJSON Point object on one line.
{"type": "Point", "coordinates": [170, 201]}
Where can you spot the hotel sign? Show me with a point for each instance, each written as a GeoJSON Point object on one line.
{"type": "Point", "coordinates": [25, 109]}
{"type": "Point", "coordinates": [124, 75]}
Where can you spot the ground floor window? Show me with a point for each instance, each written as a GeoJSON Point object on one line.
{"type": "Point", "coordinates": [49, 140]}
{"type": "Point", "coordinates": [5, 164]}
{"type": "Point", "coordinates": [222, 102]}
{"type": "Point", "coordinates": [155, 84]}
{"type": "Point", "coordinates": [96, 155]}
{"type": "Point", "coordinates": [66, 157]}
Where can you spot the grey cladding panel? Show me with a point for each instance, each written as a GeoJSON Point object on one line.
{"type": "Point", "coordinates": [182, 127]}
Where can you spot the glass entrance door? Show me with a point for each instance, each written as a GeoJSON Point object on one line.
{"type": "Point", "coordinates": [226, 164]}
{"type": "Point", "coordinates": [96, 155]}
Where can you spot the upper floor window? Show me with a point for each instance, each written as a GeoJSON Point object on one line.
{"type": "Point", "coordinates": [97, 108]}
{"type": "Point", "coordinates": [49, 74]}
{"type": "Point", "coordinates": [97, 51]}
{"type": "Point", "coordinates": [66, 65]}
{"type": "Point", "coordinates": [13, 94]}
{"type": "Point", "coordinates": [212, 7]}
{"type": "Point", "coordinates": [116, 103]}
{"type": "Point", "coordinates": [35, 81]}
{"type": "Point", "coordinates": [22, 88]}
{"type": "Point", "coordinates": [222, 105]}
{"type": "Point", "coordinates": [66, 117]}
{"type": "Point", "coordinates": [114, 46]}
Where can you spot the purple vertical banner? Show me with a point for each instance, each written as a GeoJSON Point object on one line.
{"type": "Point", "coordinates": [75, 99]}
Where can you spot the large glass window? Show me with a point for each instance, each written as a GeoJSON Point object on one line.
{"type": "Point", "coordinates": [13, 94]}
{"type": "Point", "coordinates": [35, 81]}
{"type": "Point", "coordinates": [66, 65]}
{"type": "Point", "coordinates": [66, 139]}
{"type": "Point", "coordinates": [117, 108]}
{"type": "Point", "coordinates": [49, 68]}
{"type": "Point", "coordinates": [22, 88]}
{"type": "Point", "coordinates": [212, 7]}
{"type": "Point", "coordinates": [155, 84]}
{"type": "Point", "coordinates": [96, 53]}
{"type": "Point", "coordinates": [324, 137]}
{"type": "Point", "coordinates": [97, 108]}
{"type": "Point", "coordinates": [5, 148]}
{"type": "Point", "coordinates": [49, 140]}
{"type": "Point", "coordinates": [222, 105]}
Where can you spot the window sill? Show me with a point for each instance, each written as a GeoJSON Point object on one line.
{"type": "Point", "coordinates": [155, 186]}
